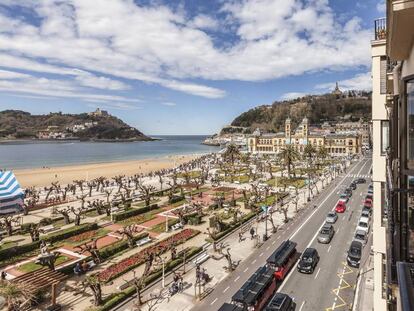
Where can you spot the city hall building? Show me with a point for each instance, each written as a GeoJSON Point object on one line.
{"type": "Point", "coordinates": [336, 144]}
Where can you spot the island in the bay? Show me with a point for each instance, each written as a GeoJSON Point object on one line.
{"type": "Point", "coordinates": [93, 126]}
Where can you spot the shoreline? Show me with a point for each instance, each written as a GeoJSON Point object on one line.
{"type": "Point", "coordinates": [40, 177]}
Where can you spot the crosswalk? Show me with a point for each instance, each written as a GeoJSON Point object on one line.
{"type": "Point", "coordinates": [359, 176]}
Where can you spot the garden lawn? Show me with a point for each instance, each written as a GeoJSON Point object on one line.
{"type": "Point", "coordinates": [32, 266]}
{"type": "Point", "coordinates": [161, 227]}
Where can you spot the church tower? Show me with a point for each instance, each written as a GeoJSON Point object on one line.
{"type": "Point", "coordinates": [288, 129]}
{"type": "Point", "coordinates": [305, 127]}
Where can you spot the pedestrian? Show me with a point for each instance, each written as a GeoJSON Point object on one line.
{"type": "Point", "coordinates": [240, 237]}
{"type": "Point", "coordinates": [252, 233]}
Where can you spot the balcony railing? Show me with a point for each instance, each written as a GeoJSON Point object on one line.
{"type": "Point", "coordinates": [380, 26]}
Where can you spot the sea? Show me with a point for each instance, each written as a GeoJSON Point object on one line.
{"type": "Point", "coordinates": [36, 154]}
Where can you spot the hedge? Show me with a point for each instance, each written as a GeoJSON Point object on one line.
{"type": "Point", "coordinates": [244, 219]}
{"type": "Point", "coordinates": [130, 291]}
{"type": "Point", "coordinates": [58, 236]}
{"type": "Point", "coordinates": [134, 212]}
{"type": "Point", "coordinates": [176, 199]}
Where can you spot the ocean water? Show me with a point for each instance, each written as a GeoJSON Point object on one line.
{"type": "Point", "coordinates": [16, 155]}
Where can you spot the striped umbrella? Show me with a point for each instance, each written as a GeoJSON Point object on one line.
{"type": "Point", "coordinates": [11, 194]}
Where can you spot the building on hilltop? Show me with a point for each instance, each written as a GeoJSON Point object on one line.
{"type": "Point", "coordinates": [337, 144]}
{"type": "Point", "coordinates": [337, 91]}
{"type": "Point", "coordinates": [98, 113]}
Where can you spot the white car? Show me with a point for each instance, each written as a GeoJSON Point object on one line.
{"type": "Point", "coordinates": [363, 224]}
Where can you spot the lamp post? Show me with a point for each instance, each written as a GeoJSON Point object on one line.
{"type": "Point", "coordinates": [265, 209]}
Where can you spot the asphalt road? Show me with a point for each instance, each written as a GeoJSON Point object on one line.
{"type": "Point", "coordinates": [311, 292]}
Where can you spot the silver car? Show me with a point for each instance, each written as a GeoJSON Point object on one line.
{"type": "Point", "coordinates": [361, 236]}
{"type": "Point", "coordinates": [326, 234]}
{"type": "Point", "coordinates": [331, 218]}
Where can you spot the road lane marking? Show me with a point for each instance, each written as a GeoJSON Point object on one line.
{"type": "Point", "coordinates": [317, 273]}
{"type": "Point", "coordinates": [320, 204]}
{"type": "Point", "coordinates": [329, 248]}
{"type": "Point", "coordinates": [301, 306]}
{"type": "Point", "coordinates": [273, 243]}
{"type": "Point", "coordinates": [253, 262]}
{"type": "Point", "coordinates": [319, 229]}
{"type": "Point", "coordinates": [236, 279]}
{"type": "Point", "coordinates": [226, 289]}
{"type": "Point", "coordinates": [245, 269]}
{"type": "Point", "coordinates": [212, 303]}
{"type": "Point", "coordinates": [261, 254]}
{"type": "Point", "coordinates": [267, 248]}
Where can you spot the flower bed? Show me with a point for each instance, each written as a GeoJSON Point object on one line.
{"type": "Point", "coordinates": [82, 237]}
{"type": "Point", "coordinates": [137, 259]}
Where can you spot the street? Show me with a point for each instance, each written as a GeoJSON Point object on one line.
{"type": "Point", "coordinates": [315, 291]}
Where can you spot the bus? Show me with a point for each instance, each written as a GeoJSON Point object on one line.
{"type": "Point", "coordinates": [283, 259]}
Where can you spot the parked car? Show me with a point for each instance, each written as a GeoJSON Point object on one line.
{"type": "Point", "coordinates": [368, 203]}
{"type": "Point", "coordinates": [367, 209]}
{"type": "Point", "coordinates": [353, 186]}
{"type": "Point", "coordinates": [369, 196]}
{"type": "Point", "coordinates": [348, 191]}
{"type": "Point", "coordinates": [363, 224]}
{"type": "Point", "coordinates": [366, 213]}
{"type": "Point", "coordinates": [340, 207]}
{"type": "Point", "coordinates": [331, 218]}
{"type": "Point", "coordinates": [368, 200]}
{"type": "Point", "coordinates": [344, 197]}
{"type": "Point", "coordinates": [308, 261]}
{"type": "Point", "coordinates": [361, 181]}
{"type": "Point", "coordinates": [326, 234]}
{"type": "Point", "coordinates": [354, 254]}
{"type": "Point", "coordinates": [361, 236]}
{"type": "Point", "coordinates": [280, 302]}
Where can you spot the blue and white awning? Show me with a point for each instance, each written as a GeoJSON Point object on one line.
{"type": "Point", "coordinates": [11, 195]}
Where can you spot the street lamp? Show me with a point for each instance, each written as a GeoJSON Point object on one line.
{"type": "Point", "coordinates": [265, 209]}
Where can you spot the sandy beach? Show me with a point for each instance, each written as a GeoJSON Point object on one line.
{"type": "Point", "coordinates": [66, 174]}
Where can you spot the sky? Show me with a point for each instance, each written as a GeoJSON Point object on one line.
{"type": "Point", "coordinates": [179, 66]}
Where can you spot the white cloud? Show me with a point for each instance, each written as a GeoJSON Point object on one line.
{"type": "Point", "coordinates": [169, 104]}
{"type": "Point", "coordinates": [7, 75]}
{"type": "Point", "coordinates": [90, 80]}
{"type": "Point", "coordinates": [292, 95]}
{"type": "Point", "coordinates": [361, 81]}
{"type": "Point", "coordinates": [204, 22]}
{"type": "Point", "coordinates": [154, 44]}
{"type": "Point", "coordinates": [381, 7]}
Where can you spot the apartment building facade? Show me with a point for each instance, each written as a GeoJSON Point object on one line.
{"type": "Point", "coordinates": [393, 157]}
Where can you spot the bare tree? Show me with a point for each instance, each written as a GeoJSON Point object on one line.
{"type": "Point", "coordinates": [65, 212]}
{"type": "Point", "coordinates": [34, 230]}
{"type": "Point", "coordinates": [146, 193]}
{"type": "Point", "coordinates": [283, 209]}
{"type": "Point", "coordinates": [139, 283]}
{"type": "Point", "coordinates": [92, 248]}
{"type": "Point", "coordinates": [95, 284]}
{"type": "Point", "coordinates": [128, 232]}
{"type": "Point", "coordinates": [79, 183]}
{"type": "Point", "coordinates": [78, 213]}
{"type": "Point", "coordinates": [119, 180]}
{"type": "Point", "coordinates": [7, 222]}
{"type": "Point", "coordinates": [82, 198]}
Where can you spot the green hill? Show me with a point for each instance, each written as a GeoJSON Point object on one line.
{"type": "Point", "coordinates": [16, 124]}
{"type": "Point", "coordinates": [318, 108]}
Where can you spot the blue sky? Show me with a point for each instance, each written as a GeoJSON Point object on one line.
{"type": "Point", "coordinates": [179, 67]}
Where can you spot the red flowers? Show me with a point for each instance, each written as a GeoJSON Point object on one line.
{"type": "Point", "coordinates": [137, 259]}
{"type": "Point", "coordinates": [82, 237]}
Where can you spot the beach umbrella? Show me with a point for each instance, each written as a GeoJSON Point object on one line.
{"type": "Point", "coordinates": [11, 194]}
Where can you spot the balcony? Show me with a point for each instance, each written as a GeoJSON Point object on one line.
{"type": "Point", "coordinates": [400, 22]}
{"type": "Point", "coordinates": [380, 27]}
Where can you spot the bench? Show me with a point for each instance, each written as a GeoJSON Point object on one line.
{"type": "Point", "coordinates": [143, 241]}
{"type": "Point", "coordinates": [91, 264]}
{"type": "Point", "coordinates": [176, 226]}
{"type": "Point", "coordinates": [200, 259]}
{"type": "Point", "coordinates": [48, 228]}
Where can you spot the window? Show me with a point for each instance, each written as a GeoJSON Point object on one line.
{"type": "Point", "coordinates": [410, 123]}
{"type": "Point", "coordinates": [385, 136]}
